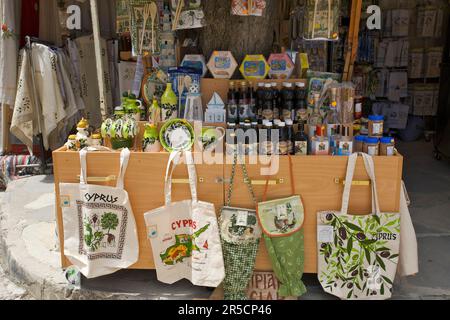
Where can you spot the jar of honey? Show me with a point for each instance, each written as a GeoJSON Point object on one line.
{"type": "Point", "coordinates": [376, 126]}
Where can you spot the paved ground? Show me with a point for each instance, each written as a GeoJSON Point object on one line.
{"type": "Point", "coordinates": [32, 254]}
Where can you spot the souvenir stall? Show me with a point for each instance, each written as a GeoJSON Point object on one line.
{"type": "Point", "coordinates": [216, 165]}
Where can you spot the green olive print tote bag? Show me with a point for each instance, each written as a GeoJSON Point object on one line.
{"type": "Point", "coordinates": [358, 255]}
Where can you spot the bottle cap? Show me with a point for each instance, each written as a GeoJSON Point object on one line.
{"type": "Point", "coordinates": [268, 85]}
{"type": "Point", "coordinates": [289, 122]}
{"type": "Point", "coordinates": [360, 138]}
{"type": "Point", "coordinates": [376, 118]}
{"type": "Point", "coordinates": [387, 140]}
{"type": "Point", "coordinates": [261, 84]}
{"type": "Point", "coordinates": [372, 140]}
{"type": "Point", "coordinates": [300, 84]}
{"type": "Point", "coordinates": [282, 124]}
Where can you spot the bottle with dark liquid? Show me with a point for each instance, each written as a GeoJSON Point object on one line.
{"type": "Point", "coordinates": [301, 140]}
{"type": "Point", "coordinates": [252, 109]}
{"type": "Point", "coordinates": [232, 105]}
{"type": "Point", "coordinates": [287, 102]}
{"type": "Point", "coordinates": [244, 102]}
{"type": "Point", "coordinates": [276, 101]}
{"type": "Point", "coordinates": [301, 108]}
{"type": "Point", "coordinates": [290, 136]}
{"type": "Point", "coordinates": [283, 140]}
{"type": "Point", "coordinates": [260, 102]}
{"type": "Point", "coordinates": [268, 103]}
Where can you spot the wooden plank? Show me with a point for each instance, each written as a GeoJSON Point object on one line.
{"type": "Point", "coordinates": [352, 41]}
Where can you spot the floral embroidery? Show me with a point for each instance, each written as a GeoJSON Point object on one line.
{"type": "Point", "coordinates": [7, 33]}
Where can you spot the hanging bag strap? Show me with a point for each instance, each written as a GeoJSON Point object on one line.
{"type": "Point", "coordinates": [368, 163]}
{"type": "Point", "coordinates": [246, 179]}
{"type": "Point", "coordinates": [124, 159]}
{"type": "Point", "coordinates": [174, 160]}
{"type": "Point", "coordinates": [291, 177]}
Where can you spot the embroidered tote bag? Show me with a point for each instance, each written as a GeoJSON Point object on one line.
{"type": "Point", "coordinates": [358, 255]}
{"type": "Point", "coordinates": [185, 235]}
{"type": "Point", "coordinates": [100, 235]}
{"type": "Point", "coordinates": [282, 221]}
{"type": "Point", "coordinates": [241, 235]}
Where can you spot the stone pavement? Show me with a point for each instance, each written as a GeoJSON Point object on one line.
{"type": "Point", "coordinates": [29, 253]}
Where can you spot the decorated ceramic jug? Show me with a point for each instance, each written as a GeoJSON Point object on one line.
{"type": "Point", "coordinates": [82, 136]}
{"type": "Point", "coordinates": [151, 142]}
{"type": "Point", "coordinates": [169, 102]}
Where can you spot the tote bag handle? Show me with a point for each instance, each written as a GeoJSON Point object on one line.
{"type": "Point", "coordinates": [124, 159]}
{"type": "Point", "coordinates": [174, 160]}
{"type": "Point", "coordinates": [291, 176]}
{"type": "Point", "coordinates": [368, 163]}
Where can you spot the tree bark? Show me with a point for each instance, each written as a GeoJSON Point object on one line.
{"type": "Point", "coordinates": [240, 35]}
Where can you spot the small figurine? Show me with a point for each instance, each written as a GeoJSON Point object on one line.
{"type": "Point", "coordinates": [72, 143]}
{"type": "Point", "coordinates": [82, 137]}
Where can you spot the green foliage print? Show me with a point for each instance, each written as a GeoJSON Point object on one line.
{"type": "Point", "coordinates": [95, 230]}
{"type": "Point", "coordinates": [356, 244]}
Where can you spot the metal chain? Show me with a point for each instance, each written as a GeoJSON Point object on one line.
{"type": "Point", "coordinates": [246, 180]}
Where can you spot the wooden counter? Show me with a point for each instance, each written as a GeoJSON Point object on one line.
{"type": "Point", "coordinates": [316, 179]}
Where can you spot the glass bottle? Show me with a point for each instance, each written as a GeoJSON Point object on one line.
{"type": "Point", "coordinates": [301, 141]}
{"type": "Point", "coordinates": [332, 119]}
{"type": "Point", "coordinates": [232, 105]}
{"type": "Point", "coordinates": [287, 104]}
{"type": "Point", "coordinates": [276, 100]}
{"type": "Point", "coordinates": [301, 108]}
{"type": "Point", "coordinates": [283, 141]}
{"type": "Point", "coordinates": [268, 103]}
{"type": "Point", "coordinates": [345, 143]}
{"type": "Point", "coordinates": [260, 102]}
{"type": "Point", "coordinates": [244, 102]}
{"type": "Point", "coordinates": [290, 137]}
{"type": "Point", "coordinates": [320, 143]}
{"type": "Point", "coordinates": [252, 108]}
{"type": "Point", "coordinates": [315, 119]}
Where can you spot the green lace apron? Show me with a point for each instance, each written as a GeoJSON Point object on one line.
{"type": "Point", "coordinates": [282, 221]}
{"type": "Point", "coordinates": [240, 234]}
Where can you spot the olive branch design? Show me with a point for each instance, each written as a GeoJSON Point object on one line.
{"type": "Point", "coordinates": [345, 260]}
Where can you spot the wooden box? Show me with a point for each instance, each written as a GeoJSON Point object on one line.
{"type": "Point", "coordinates": [318, 180]}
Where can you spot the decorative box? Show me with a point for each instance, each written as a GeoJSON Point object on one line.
{"type": "Point", "coordinates": [281, 66]}
{"type": "Point", "coordinates": [195, 61]}
{"type": "Point", "coordinates": [255, 67]}
{"type": "Point", "coordinates": [222, 64]}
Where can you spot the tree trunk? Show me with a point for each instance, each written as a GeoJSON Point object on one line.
{"type": "Point", "coordinates": [240, 35]}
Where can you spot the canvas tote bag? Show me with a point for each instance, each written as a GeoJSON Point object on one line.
{"type": "Point", "coordinates": [100, 235]}
{"type": "Point", "coordinates": [358, 255]}
{"type": "Point", "coordinates": [185, 236]}
{"type": "Point", "coordinates": [282, 221]}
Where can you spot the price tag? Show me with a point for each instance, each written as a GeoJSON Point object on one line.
{"type": "Point", "coordinates": [325, 234]}
{"type": "Point", "coordinates": [282, 213]}
{"type": "Point", "coordinates": [242, 219]}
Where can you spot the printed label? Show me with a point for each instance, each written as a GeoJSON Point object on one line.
{"type": "Point", "coordinates": [282, 213]}
{"type": "Point", "coordinates": [152, 232]}
{"type": "Point", "coordinates": [321, 148]}
{"type": "Point", "coordinates": [345, 148]}
{"type": "Point", "coordinates": [325, 234]}
{"type": "Point", "coordinates": [65, 201]}
{"type": "Point", "coordinates": [242, 218]}
{"type": "Point", "coordinates": [301, 148]}
{"type": "Point", "coordinates": [377, 129]}
{"type": "Point", "coordinates": [372, 150]}
{"type": "Point", "coordinates": [390, 151]}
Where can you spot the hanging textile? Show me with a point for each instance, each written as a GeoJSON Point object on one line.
{"type": "Point", "coordinates": [240, 235]}
{"type": "Point", "coordinates": [9, 33]}
{"type": "Point", "coordinates": [89, 82]}
{"type": "Point", "coordinates": [9, 171]}
{"type": "Point", "coordinates": [282, 222]}
{"type": "Point", "coordinates": [29, 24]}
{"type": "Point", "coordinates": [48, 93]}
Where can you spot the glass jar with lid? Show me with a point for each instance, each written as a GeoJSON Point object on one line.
{"type": "Point", "coordinates": [372, 146]}
{"type": "Point", "coordinates": [387, 146]}
{"type": "Point", "coordinates": [376, 126]}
